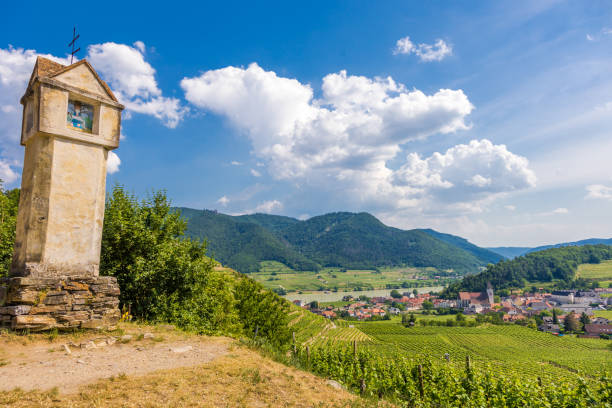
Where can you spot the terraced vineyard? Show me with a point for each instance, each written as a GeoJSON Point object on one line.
{"type": "Point", "coordinates": [509, 348]}
{"type": "Point", "coordinates": [306, 325]}
{"type": "Point", "coordinates": [312, 329]}
{"type": "Point", "coordinates": [342, 335]}
{"type": "Point", "coordinates": [500, 347]}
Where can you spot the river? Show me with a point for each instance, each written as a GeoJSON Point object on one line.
{"type": "Point", "coordinates": [329, 296]}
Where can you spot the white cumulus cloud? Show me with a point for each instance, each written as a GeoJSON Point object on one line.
{"type": "Point", "coordinates": [343, 140]}
{"type": "Point", "coordinates": [224, 201]}
{"type": "Point", "coordinates": [7, 175]}
{"type": "Point", "coordinates": [16, 65]}
{"type": "Point", "coordinates": [132, 79]}
{"type": "Point", "coordinates": [122, 66]}
{"type": "Point", "coordinates": [268, 207]}
{"type": "Point", "coordinates": [112, 163]}
{"type": "Point", "coordinates": [426, 52]}
{"type": "Point", "coordinates": [599, 191]}
{"type": "Point", "coordinates": [255, 173]}
{"type": "Point", "coordinates": [560, 210]}
{"type": "Point", "coordinates": [466, 173]}
{"type": "Point", "coordinates": [404, 46]}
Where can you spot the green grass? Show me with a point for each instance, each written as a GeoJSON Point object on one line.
{"type": "Point", "coordinates": [275, 275]}
{"type": "Point", "coordinates": [443, 318]}
{"type": "Point", "coordinates": [339, 303]}
{"type": "Point", "coordinates": [600, 272]}
{"type": "Point", "coordinates": [603, 313]}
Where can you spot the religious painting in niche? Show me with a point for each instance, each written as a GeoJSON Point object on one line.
{"type": "Point", "coordinates": [80, 116]}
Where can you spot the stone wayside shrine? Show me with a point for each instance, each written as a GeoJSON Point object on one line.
{"type": "Point", "coordinates": [71, 120]}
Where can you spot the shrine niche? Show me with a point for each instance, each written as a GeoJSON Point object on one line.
{"type": "Point", "coordinates": [80, 116]}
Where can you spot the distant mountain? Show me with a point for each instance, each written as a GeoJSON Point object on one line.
{"type": "Point", "coordinates": [536, 267]}
{"type": "Point", "coordinates": [362, 241]}
{"type": "Point", "coordinates": [480, 253]}
{"type": "Point", "coordinates": [590, 241]}
{"type": "Point", "coordinates": [513, 252]}
{"type": "Point", "coordinates": [242, 242]}
{"type": "Point", "coordinates": [273, 223]}
{"type": "Point", "coordinates": [349, 240]}
{"type": "Point", "coordinates": [510, 252]}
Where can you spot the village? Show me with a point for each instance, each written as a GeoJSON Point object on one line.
{"type": "Point", "coordinates": [547, 311]}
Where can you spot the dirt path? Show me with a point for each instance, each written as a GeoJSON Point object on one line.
{"type": "Point", "coordinates": [45, 366]}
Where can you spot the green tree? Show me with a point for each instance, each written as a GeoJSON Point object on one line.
{"type": "Point", "coordinates": [395, 294]}
{"type": "Point", "coordinates": [584, 320]}
{"type": "Point", "coordinates": [167, 277]}
{"type": "Point", "coordinates": [555, 316]}
{"type": "Point", "coordinates": [427, 305]}
{"type": "Point", "coordinates": [571, 323]}
{"type": "Point", "coordinates": [9, 202]}
{"type": "Point", "coordinates": [161, 275]}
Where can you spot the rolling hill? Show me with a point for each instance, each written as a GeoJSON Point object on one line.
{"type": "Point", "coordinates": [513, 252]}
{"type": "Point", "coordinates": [510, 252]}
{"type": "Point", "coordinates": [361, 241]}
{"type": "Point", "coordinates": [548, 265]}
{"type": "Point", "coordinates": [480, 253]}
{"type": "Point", "coordinates": [241, 243]}
{"type": "Point", "coordinates": [343, 239]}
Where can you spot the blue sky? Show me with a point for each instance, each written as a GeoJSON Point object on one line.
{"type": "Point", "coordinates": [490, 120]}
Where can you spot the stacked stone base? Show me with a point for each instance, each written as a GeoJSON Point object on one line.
{"type": "Point", "coordinates": [38, 304]}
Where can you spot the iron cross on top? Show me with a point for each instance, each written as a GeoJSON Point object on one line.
{"type": "Point", "coordinates": [73, 43]}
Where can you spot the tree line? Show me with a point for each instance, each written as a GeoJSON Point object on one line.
{"type": "Point", "coordinates": [543, 266]}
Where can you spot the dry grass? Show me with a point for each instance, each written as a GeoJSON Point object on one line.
{"type": "Point", "coordinates": [240, 378]}
{"type": "Point", "coordinates": [10, 338]}
{"type": "Point", "coordinates": [243, 378]}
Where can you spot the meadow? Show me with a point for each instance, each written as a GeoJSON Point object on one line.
{"type": "Point", "coordinates": [603, 313]}
{"type": "Point", "coordinates": [275, 275]}
{"type": "Point", "coordinates": [601, 272]}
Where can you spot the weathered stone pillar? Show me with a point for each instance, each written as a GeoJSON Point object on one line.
{"type": "Point", "coordinates": [71, 120]}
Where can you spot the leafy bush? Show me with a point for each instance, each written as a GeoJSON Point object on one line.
{"type": "Point", "coordinates": [9, 202]}
{"type": "Point", "coordinates": [164, 276]}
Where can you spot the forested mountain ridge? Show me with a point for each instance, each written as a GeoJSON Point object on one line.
{"type": "Point", "coordinates": [512, 252]}
{"type": "Point", "coordinates": [543, 266]}
{"type": "Point", "coordinates": [361, 241]}
{"type": "Point", "coordinates": [481, 253]}
{"type": "Point", "coordinates": [242, 242]}
{"type": "Point", "coordinates": [342, 239]}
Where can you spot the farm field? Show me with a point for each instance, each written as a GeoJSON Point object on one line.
{"type": "Point", "coordinates": [275, 275]}
{"type": "Point", "coordinates": [603, 313]}
{"type": "Point", "coordinates": [326, 296]}
{"type": "Point", "coordinates": [599, 272]}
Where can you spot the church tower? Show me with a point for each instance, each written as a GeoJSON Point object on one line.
{"type": "Point", "coordinates": [71, 120]}
{"type": "Point", "coordinates": [490, 296]}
